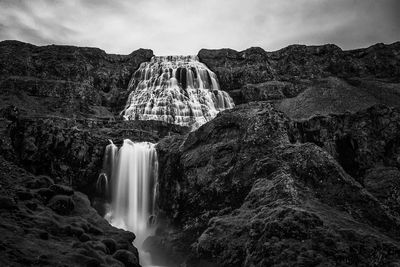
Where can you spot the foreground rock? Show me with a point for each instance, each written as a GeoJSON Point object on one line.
{"type": "Point", "coordinates": [308, 80]}
{"type": "Point", "coordinates": [46, 226]}
{"type": "Point", "coordinates": [237, 192]}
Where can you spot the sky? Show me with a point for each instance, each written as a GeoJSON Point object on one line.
{"type": "Point", "coordinates": [183, 27]}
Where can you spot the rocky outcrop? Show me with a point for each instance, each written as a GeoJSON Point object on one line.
{"type": "Point", "coordinates": [310, 79]}
{"type": "Point", "coordinates": [66, 80]}
{"type": "Point", "coordinates": [44, 224]}
{"type": "Point", "coordinates": [358, 141]}
{"type": "Point", "coordinates": [239, 192]}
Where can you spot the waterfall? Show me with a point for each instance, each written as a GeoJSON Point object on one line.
{"type": "Point", "coordinates": [134, 188]}
{"type": "Point", "coordinates": [103, 181]}
{"type": "Point", "coordinates": [175, 89]}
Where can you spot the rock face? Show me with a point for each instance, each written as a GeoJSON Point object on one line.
{"type": "Point", "coordinates": [65, 80]}
{"type": "Point", "coordinates": [239, 192]}
{"type": "Point", "coordinates": [310, 79]}
{"type": "Point", "coordinates": [357, 141]}
{"type": "Point", "coordinates": [47, 226]}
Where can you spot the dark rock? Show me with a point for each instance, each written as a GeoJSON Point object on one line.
{"type": "Point", "coordinates": [84, 238]}
{"type": "Point", "coordinates": [384, 184]}
{"type": "Point", "coordinates": [24, 195]}
{"type": "Point", "coordinates": [94, 230]}
{"type": "Point", "coordinates": [358, 141]}
{"type": "Point", "coordinates": [92, 263]}
{"type": "Point", "coordinates": [31, 205]}
{"type": "Point", "coordinates": [110, 244]}
{"type": "Point", "coordinates": [45, 193]}
{"type": "Point", "coordinates": [61, 190]}
{"type": "Point", "coordinates": [288, 204]}
{"type": "Point", "coordinates": [40, 181]}
{"type": "Point", "coordinates": [127, 258]}
{"type": "Point", "coordinates": [61, 204]}
{"type": "Point", "coordinates": [43, 235]}
{"type": "Point", "coordinates": [7, 203]}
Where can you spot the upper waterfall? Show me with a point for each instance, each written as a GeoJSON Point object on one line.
{"type": "Point", "coordinates": [175, 89]}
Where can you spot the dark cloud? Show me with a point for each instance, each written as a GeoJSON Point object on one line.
{"type": "Point", "coordinates": [184, 27]}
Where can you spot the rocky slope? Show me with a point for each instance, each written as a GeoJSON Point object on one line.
{"type": "Point", "coordinates": [240, 192]}
{"type": "Point", "coordinates": [305, 80]}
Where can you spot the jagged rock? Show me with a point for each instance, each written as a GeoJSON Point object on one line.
{"type": "Point", "coordinates": [244, 195]}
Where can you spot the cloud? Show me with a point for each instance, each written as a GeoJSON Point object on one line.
{"type": "Point", "coordinates": [184, 27]}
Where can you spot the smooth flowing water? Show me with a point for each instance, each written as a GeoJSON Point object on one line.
{"type": "Point", "coordinates": [134, 191]}
{"type": "Point", "coordinates": [109, 160]}
{"type": "Point", "coordinates": [175, 89]}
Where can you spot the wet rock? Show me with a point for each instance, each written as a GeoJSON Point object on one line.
{"type": "Point", "coordinates": [61, 190]}
{"type": "Point", "coordinates": [127, 258]}
{"type": "Point", "coordinates": [61, 204]}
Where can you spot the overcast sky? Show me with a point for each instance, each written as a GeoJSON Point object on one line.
{"type": "Point", "coordinates": [172, 27]}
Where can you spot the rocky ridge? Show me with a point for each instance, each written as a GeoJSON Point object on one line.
{"type": "Point", "coordinates": [305, 80]}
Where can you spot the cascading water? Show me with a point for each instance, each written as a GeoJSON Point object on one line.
{"type": "Point", "coordinates": [176, 89]}
{"type": "Point", "coordinates": [134, 189]}
{"type": "Point", "coordinates": [103, 181]}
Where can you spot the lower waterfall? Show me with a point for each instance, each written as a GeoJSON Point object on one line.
{"type": "Point", "coordinates": [134, 190]}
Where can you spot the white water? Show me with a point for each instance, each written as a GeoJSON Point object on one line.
{"type": "Point", "coordinates": [175, 89]}
{"type": "Point", "coordinates": [134, 191]}
{"type": "Point", "coordinates": [103, 181]}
